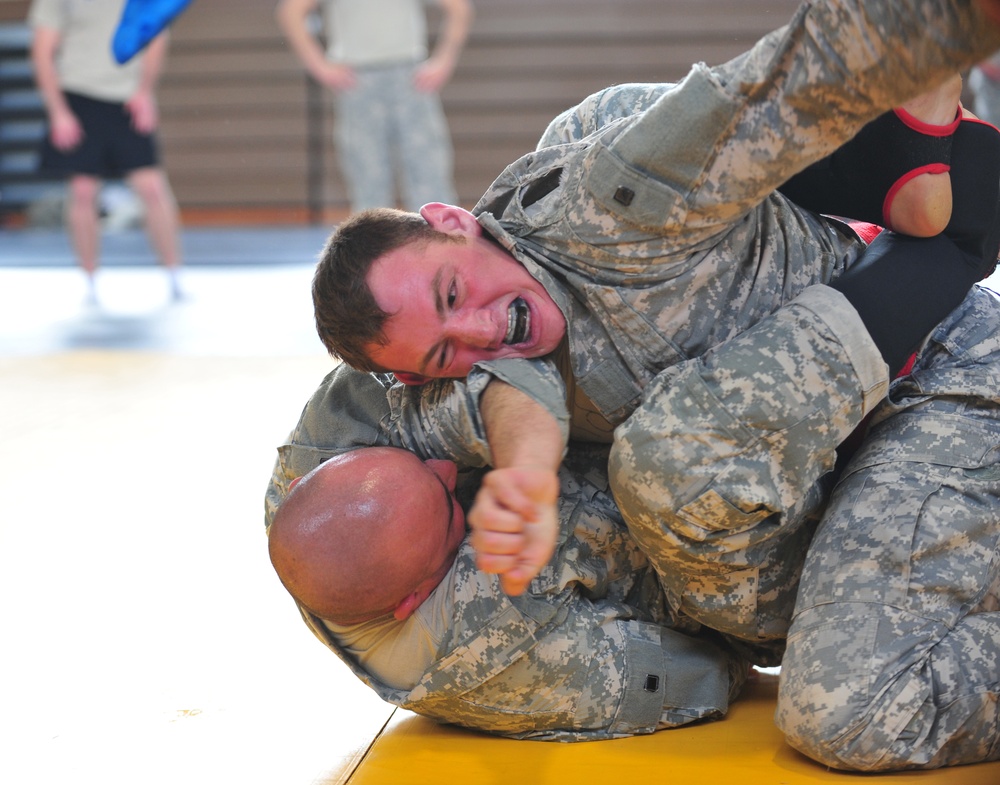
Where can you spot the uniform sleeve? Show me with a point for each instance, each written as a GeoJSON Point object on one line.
{"type": "Point", "coordinates": [599, 110]}
{"type": "Point", "coordinates": [709, 151]}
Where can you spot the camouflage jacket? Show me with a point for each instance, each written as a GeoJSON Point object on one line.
{"type": "Point", "coordinates": [590, 651]}
{"type": "Point", "coordinates": [661, 235]}
{"type": "Point", "coordinates": [350, 410]}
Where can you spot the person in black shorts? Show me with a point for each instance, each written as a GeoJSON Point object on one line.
{"type": "Point", "coordinates": [102, 123]}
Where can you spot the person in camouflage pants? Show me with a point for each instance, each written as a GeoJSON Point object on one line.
{"type": "Point", "coordinates": [893, 657]}
{"type": "Point", "coordinates": [893, 652]}
{"type": "Point", "coordinates": [751, 450]}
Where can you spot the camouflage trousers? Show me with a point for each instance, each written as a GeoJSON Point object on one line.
{"type": "Point", "coordinates": [388, 133]}
{"type": "Point", "coordinates": [721, 472]}
{"type": "Point", "coordinates": [893, 657]}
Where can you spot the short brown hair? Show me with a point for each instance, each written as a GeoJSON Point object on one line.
{"type": "Point", "coordinates": [348, 319]}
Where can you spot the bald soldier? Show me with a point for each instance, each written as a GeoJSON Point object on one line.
{"type": "Point", "coordinates": [372, 545]}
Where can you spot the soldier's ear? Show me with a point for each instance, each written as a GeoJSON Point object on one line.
{"type": "Point", "coordinates": [406, 606]}
{"type": "Point", "coordinates": [451, 219]}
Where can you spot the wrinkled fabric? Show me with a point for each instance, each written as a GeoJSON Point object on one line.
{"type": "Point", "coordinates": [893, 656]}
{"type": "Point", "coordinates": [592, 649]}
{"type": "Point", "coordinates": [660, 234]}
{"type": "Point", "coordinates": [723, 469]}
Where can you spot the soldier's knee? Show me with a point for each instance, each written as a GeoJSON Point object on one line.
{"type": "Point", "coordinates": [830, 705]}
{"type": "Point", "coordinates": [846, 739]}
{"type": "Point", "coordinates": [817, 722]}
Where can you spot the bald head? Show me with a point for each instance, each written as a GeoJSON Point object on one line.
{"type": "Point", "coordinates": [367, 533]}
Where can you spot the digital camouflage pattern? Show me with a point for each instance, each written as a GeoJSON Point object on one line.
{"type": "Point", "coordinates": [661, 245]}
{"type": "Point", "coordinates": [725, 466]}
{"type": "Point", "coordinates": [388, 132]}
{"type": "Point", "coordinates": [661, 235]}
{"type": "Point", "coordinates": [592, 650]}
{"type": "Point", "coordinates": [893, 656]}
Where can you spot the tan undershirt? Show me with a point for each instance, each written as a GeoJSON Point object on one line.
{"type": "Point", "coordinates": [398, 653]}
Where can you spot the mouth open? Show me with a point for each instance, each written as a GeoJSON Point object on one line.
{"type": "Point", "coordinates": [518, 322]}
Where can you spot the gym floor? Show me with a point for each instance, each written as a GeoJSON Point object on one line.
{"type": "Point", "coordinates": [147, 639]}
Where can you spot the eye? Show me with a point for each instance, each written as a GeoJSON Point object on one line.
{"type": "Point", "coordinates": [452, 293]}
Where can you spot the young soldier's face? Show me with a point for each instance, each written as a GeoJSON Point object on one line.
{"type": "Point", "coordinates": [454, 304]}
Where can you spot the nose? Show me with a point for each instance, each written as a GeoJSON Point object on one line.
{"type": "Point", "coordinates": [473, 328]}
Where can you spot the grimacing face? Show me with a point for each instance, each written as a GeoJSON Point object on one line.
{"type": "Point", "coordinates": [453, 304]}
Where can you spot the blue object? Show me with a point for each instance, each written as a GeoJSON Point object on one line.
{"type": "Point", "coordinates": [141, 22]}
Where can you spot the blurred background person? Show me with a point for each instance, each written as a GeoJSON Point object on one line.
{"type": "Point", "coordinates": [102, 120]}
{"type": "Point", "coordinates": [390, 127]}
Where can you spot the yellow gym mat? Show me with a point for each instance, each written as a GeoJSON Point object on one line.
{"type": "Point", "coordinates": [745, 748]}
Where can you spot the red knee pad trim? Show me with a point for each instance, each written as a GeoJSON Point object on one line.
{"type": "Point", "coordinates": [928, 129]}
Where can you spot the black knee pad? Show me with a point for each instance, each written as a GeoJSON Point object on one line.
{"type": "Point", "coordinates": [975, 183]}
{"type": "Point", "coordinates": [861, 178]}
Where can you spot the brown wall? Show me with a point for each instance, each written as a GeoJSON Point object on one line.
{"type": "Point", "coordinates": [236, 106]}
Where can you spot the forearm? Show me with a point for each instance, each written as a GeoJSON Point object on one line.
{"type": "Point", "coordinates": [458, 15]}
{"type": "Point", "coordinates": [292, 18]}
{"type": "Point", "coordinates": [514, 521]}
{"type": "Point", "coordinates": [153, 60]}
{"type": "Point", "coordinates": [519, 430]}
{"type": "Point", "coordinates": [43, 50]}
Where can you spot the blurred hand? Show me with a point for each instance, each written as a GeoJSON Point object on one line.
{"type": "Point", "coordinates": [145, 114]}
{"type": "Point", "coordinates": [65, 131]}
{"type": "Point", "coordinates": [431, 75]}
{"type": "Point", "coordinates": [336, 77]}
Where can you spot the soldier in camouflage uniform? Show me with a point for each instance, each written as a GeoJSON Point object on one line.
{"type": "Point", "coordinates": [893, 657]}
{"type": "Point", "coordinates": [390, 129]}
{"type": "Point", "coordinates": [591, 651]}
{"type": "Point", "coordinates": [935, 581]}
{"type": "Point", "coordinates": [921, 554]}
